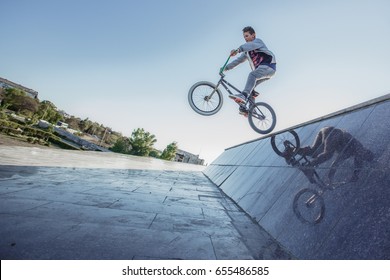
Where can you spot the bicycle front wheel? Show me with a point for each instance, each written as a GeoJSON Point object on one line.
{"type": "Point", "coordinates": [205, 98]}
{"type": "Point", "coordinates": [309, 206]}
{"type": "Point", "coordinates": [262, 118]}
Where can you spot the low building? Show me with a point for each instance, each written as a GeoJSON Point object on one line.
{"type": "Point", "coordinates": [186, 157]}
{"type": "Point", "coordinates": [4, 83]}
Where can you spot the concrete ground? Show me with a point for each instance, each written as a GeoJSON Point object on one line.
{"type": "Point", "coordinates": [59, 204]}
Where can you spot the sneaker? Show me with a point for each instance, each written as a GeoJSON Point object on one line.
{"type": "Point", "coordinates": [243, 111]}
{"type": "Point", "coordinates": [239, 98]}
{"type": "Point", "coordinates": [255, 94]}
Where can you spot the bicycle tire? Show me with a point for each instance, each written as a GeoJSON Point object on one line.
{"type": "Point", "coordinates": [278, 140]}
{"type": "Point", "coordinates": [262, 117]}
{"type": "Point", "coordinates": [197, 97]}
{"type": "Point", "coordinates": [307, 210]}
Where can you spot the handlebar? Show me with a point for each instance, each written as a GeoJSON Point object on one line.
{"type": "Point", "coordinates": [230, 55]}
{"type": "Point", "coordinates": [223, 67]}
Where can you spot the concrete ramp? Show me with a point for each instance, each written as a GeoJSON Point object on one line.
{"type": "Point", "coordinates": [350, 215]}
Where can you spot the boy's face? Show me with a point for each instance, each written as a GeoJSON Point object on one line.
{"type": "Point", "coordinates": [249, 37]}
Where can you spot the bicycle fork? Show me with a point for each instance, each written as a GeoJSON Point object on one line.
{"type": "Point", "coordinates": [310, 202]}
{"type": "Point", "coordinates": [256, 112]}
{"type": "Point", "coordinates": [208, 97]}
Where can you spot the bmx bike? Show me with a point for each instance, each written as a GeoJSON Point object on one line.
{"type": "Point", "coordinates": [308, 204]}
{"type": "Point", "coordinates": [206, 99]}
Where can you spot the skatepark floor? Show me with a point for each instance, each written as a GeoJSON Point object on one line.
{"type": "Point", "coordinates": [75, 205]}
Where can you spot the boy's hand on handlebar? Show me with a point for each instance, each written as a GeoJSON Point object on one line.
{"type": "Point", "coordinates": [234, 52]}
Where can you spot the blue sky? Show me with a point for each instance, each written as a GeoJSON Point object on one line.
{"type": "Point", "coordinates": [130, 64]}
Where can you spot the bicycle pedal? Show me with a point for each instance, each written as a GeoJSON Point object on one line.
{"type": "Point", "coordinates": [245, 114]}
{"type": "Point", "coordinates": [239, 101]}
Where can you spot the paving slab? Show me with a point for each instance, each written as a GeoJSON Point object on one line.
{"type": "Point", "coordinates": [58, 204]}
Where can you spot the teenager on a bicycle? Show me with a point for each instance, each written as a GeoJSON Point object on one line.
{"type": "Point", "coordinates": [261, 60]}
{"type": "Point", "coordinates": [330, 141]}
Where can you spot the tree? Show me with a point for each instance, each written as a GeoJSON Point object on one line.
{"type": "Point", "coordinates": [2, 96]}
{"type": "Point", "coordinates": [112, 137]}
{"type": "Point", "coordinates": [85, 125]}
{"type": "Point", "coordinates": [169, 152]}
{"type": "Point", "coordinates": [122, 145]}
{"type": "Point", "coordinates": [48, 111]}
{"type": "Point", "coordinates": [155, 153]}
{"type": "Point", "coordinates": [141, 142]}
{"type": "Point", "coordinates": [73, 122]}
{"type": "Point", "coordinates": [18, 101]}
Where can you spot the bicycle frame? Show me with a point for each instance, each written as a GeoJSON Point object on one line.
{"type": "Point", "coordinates": [225, 83]}
{"type": "Point", "coordinates": [302, 164]}
{"type": "Point", "coordinates": [312, 175]}
{"type": "Point", "coordinates": [227, 86]}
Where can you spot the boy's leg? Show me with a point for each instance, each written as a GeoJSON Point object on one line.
{"type": "Point", "coordinates": [254, 93]}
{"type": "Point", "coordinates": [261, 74]}
{"type": "Point", "coordinates": [257, 76]}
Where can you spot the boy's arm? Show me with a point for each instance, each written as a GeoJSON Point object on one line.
{"type": "Point", "coordinates": [236, 62]}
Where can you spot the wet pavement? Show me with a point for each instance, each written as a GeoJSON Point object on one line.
{"type": "Point", "coordinates": [59, 204]}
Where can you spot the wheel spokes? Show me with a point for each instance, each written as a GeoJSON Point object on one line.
{"type": "Point", "coordinates": [204, 99]}
{"type": "Point", "coordinates": [262, 118]}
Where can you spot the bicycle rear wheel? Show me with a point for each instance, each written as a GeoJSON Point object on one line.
{"type": "Point", "coordinates": [262, 118]}
{"type": "Point", "coordinates": [205, 98]}
{"type": "Point", "coordinates": [288, 140]}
